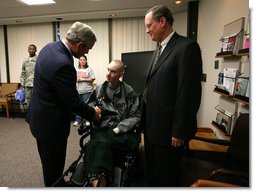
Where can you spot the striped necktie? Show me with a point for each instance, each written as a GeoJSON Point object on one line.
{"type": "Point", "coordinates": [156, 58]}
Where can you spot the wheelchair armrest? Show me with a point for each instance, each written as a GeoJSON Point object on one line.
{"type": "Point", "coordinates": [212, 140]}
{"type": "Point", "coordinates": [209, 183]}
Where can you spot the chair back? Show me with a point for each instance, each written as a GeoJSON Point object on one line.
{"type": "Point", "coordinates": [8, 88]}
{"type": "Point", "coordinates": [238, 150]}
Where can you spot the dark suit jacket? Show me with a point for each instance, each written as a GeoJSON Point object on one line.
{"type": "Point", "coordinates": [174, 92]}
{"type": "Point", "coordinates": [55, 98]}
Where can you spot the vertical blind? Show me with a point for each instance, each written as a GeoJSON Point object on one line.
{"type": "Point", "coordinates": [128, 35]}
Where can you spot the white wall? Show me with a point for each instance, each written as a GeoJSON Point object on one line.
{"type": "Point", "coordinates": [180, 23]}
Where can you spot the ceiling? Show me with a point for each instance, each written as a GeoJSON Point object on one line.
{"type": "Point", "coordinates": [14, 12]}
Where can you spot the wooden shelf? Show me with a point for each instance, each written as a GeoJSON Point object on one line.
{"type": "Point", "coordinates": [244, 100]}
{"type": "Point", "coordinates": [229, 54]}
{"type": "Point", "coordinates": [223, 94]}
{"type": "Point", "coordinates": [243, 52]}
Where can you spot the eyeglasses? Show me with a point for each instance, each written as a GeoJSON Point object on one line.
{"type": "Point", "coordinates": [149, 25]}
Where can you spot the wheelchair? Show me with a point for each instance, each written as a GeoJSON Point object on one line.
{"type": "Point", "coordinates": [74, 176]}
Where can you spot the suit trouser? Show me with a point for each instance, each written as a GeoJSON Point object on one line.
{"type": "Point", "coordinates": [163, 165]}
{"type": "Point", "coordinates": [53, 160]}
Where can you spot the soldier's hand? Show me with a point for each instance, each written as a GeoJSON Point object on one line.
{"type": "Point", "coordinates": [97, 113]}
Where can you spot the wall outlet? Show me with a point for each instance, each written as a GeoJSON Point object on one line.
{"type": "Point", "coordinates": [204, 77]}
{"type": "Point", "coordinates": [216, 64]}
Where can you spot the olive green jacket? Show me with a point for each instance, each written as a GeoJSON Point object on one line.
{"type": "Point", "coordinates": [123, 112]}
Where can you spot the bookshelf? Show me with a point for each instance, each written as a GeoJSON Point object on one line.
{"type": "Point", "coordinates": [236, 96]}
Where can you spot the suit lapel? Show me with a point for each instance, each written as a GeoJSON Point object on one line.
{"type": "Point", "coordinates": [166, 52]}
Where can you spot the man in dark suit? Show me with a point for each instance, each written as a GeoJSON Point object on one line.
{"type": "Point", "coordinates": [171, 98]}
{"type": "Point", "coordinates": [55, 98]}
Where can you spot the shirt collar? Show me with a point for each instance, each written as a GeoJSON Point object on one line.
{"type": "Point", "coordinates": [66, 46]}
{"type": "Point", "coordinates": [165, 41]}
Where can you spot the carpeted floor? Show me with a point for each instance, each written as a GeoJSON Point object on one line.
{"type": "Point", "coordinates": [20, 165]}
{"type": "Point", "coordinates": [19, 159]}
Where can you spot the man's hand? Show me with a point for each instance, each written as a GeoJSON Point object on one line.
{"type": "Point", "coordinates": [97, 113]}
{"type": "Point", "coordinates": [176, 142]}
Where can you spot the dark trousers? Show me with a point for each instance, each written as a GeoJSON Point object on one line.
{"type": "Point", "coordinates": [53, 160]}
{"type": "Point", "coordinates": [163, 165]}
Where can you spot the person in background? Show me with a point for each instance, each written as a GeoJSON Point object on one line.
{"type": "Point", "coordinates": [115, 133]}
{"type": "Point", "coordinates": [55, 99]}
{"type": "Point", "coordinates": [27, 72]}
{"type": "Point", "coordinates": [85, 79]}
{"type": "Point", "coordinates": [171, 98]}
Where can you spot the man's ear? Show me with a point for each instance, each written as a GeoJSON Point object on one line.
{"type": "Point", "coordinates": [163, 21]}
{"type": "Point", "coordinates": [80, 45]}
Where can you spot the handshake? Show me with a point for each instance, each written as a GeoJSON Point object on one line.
{"type": "Point", "coordinates": [97, 115]}
{"type": "Point", "coordinates": [97, 108]}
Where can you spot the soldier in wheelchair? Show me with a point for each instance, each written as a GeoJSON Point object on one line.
{"type": "Point", "coordinates": [114, 139]}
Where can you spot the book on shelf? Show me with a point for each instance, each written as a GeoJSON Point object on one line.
{"type": "Point", "coordinates": [238, 42]}
{"type": "Point", "coordinates": [220, 79]}
{"type": "Point", "coordinates": [241, 86]}
{"type": "Point", "coordinates": [232, 39]}
{"type": "Point", "coordinates": [242, 89]}
{"type": "Point", "coordinates": [223, 122]}
{"type": "Point", "coordinates": [247, 94]}
{"type": "Point", "coordinates": [229, 79]}
{"type": "Point", "coordinates": [231, 44]}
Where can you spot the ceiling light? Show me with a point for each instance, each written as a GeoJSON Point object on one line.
{"type": "Point", "coordinates": [37, 2]}
{"type": "Point", "coordinates": [112, 14]}
{"type": "Point", "coordinates": [19, 21]}
{"type": "Point", "coordinates": [178, 2]}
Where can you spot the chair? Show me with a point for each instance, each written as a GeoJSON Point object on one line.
{"type": "Point", "coordinates": [209, 183]}
{"type": "Point", "coordinates": [213, 168]}
{"type": "Point", "coordinates": [7, 93]}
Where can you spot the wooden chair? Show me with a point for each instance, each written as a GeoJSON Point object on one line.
{"type": "Point", "coordinates": [209, 183]}
{"type": "Point", "coordinates": [230, 167]}
{"type": "Point", "coordinates": [7, 94]}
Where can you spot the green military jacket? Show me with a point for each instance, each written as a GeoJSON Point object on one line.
{"type": "Point", "coordinates": [123, 112]}
{"type": "Point", "coordinates": [27, 71]}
